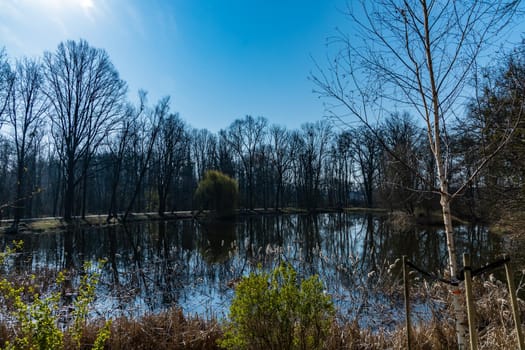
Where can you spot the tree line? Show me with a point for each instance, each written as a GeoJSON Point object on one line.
{"type": "Point", "coordinates": [72, 144]}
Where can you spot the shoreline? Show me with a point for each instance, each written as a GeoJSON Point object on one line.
{"type": "Point", "coordinates": [46, 224]}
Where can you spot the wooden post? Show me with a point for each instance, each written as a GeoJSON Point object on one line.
{"type": "Point", "coordinates": [514, 304]}
{"type": "Point", "coordinates": [407, 303]}
{"type": "Point", "coordinates": [473, 333]}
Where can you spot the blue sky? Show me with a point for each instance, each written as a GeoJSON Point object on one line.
{"type": "Point", "coordinates": [219, 60]}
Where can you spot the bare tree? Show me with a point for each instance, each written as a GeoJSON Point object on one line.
{"type": "Point", "coordinates": [26, 109]}
{"type": "Point", "coordinates": [314, 144]}
{"type": "Point", "coordinates": [225, 155]}
{"type": "Point", "coordinates": [245, 136]}
{"type": "Point", "coordinates": [169, 156]}
{"type": "Point", "coordinates": [400, 185]}
{"type": "Point", "coordinates": [282, 154]}
{"type": "Point", "coordinates": [6, 182]}
{"type": "Point", "coordinates": [143, 145]}
{"type": "Point", "coordinates": [6, 84]}
{"type": "Point", "coordinates": [86, 96]}
{"type": "Point", "coordinates": [418, 55]}
{"type": "Point", "coordinates": [119, 147]}
{"type": "Point", "coordinates": [342, 168]}
{"type": "Point", "coordinates": [203, 151]}
{"type": "Point", "coordinates": [367, 153]}
{"type": "Point", "coordinates": [497, 108]}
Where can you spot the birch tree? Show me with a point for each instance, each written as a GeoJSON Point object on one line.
{"type": "Point", "coordinates": [418, 56]}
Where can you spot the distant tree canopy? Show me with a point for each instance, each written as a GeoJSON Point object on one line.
{"type": "Point", "coordinates": [218, 192]}
{"type": "Point", "coordinates": [72, 144]}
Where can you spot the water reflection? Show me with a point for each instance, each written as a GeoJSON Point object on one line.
{"type": "Point", "coordinates": [156, 265]}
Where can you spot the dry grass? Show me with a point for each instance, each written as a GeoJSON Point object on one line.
{"type": "Point", "coordinates": [170, 330]}
{"type": "Point", "coordinates": [510, 222]}
{"type": "Point", "coordinates": [173, 330]}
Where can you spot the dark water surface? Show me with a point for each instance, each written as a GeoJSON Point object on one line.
{"type": "Point", "coordinates": [157, 265]}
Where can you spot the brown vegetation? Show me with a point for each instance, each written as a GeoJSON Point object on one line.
{"type": "Point", "coordinates": [168, 330]}
{"type": "Point", "coordinates": [174, 330]}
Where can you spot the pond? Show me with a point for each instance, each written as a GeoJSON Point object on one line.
{"type": "Point", "coordinates": [152, 266]}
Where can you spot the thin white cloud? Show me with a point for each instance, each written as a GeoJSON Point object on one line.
{"type": "Point", "coordinates": [133, 20]}
{"type": "Point", "coordinates": [144, 20]}
{"type": "Point", "coordinates": [10, 14]}
{"type": "Point", "coordinates": [27, 27]}
{"type": "Point", "coordinates": [9, 9]}
{"type": "Point", "coordinates": [10, 38]}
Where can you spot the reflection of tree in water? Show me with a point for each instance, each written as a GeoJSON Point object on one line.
{"type": "Point", "coordinates": [309, 237]}
{"type": "Point", "coordinates": [69, 250]}
{"type": "Point", "coordinates": [152, 266]}
{"type": "Point", "coordinates": [112, 255]}
{"type": "Point", "coordinates": [215, 240]}
{"type": "Point", "coordinates": [165, 267]}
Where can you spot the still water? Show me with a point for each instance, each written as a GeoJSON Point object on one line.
{"type": "Point", "coordinates": [194, 265]}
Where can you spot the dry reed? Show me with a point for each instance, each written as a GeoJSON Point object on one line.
{"type": "Point", "coordinates": [173, 330]}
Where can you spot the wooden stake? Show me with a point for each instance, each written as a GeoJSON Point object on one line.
{"type": "Point", "coordinates": [514, 303]}
{"type": "Point", "coordinates": [473, 333]}
{"type": "Point", "coordinates": [407, 303]}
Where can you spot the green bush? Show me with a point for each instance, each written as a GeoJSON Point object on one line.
{"type": "Point", "coordinates": [277, 311]}
{"type": "Point", "coordinates": [218, 192]}
{"type": "Point", "coordinates": [36, 317]}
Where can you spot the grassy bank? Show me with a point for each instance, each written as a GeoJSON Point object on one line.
{"type": "Point", "coordinates": [398, 218]}
{"type": "Point", "coordinates": [56, 223]}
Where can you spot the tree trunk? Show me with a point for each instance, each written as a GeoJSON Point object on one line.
{"type": "Point", "coordinates": [69, 197]}
{"type": "Point", "coordinates": [56, 191]}
{"type": "Point", "coordinates": [84, 191]}
{"type": "Point", "coordinates": [19, 202]}
{"type": "Point", "coordinates": [161, 191]}
{"type": "Point", "coordinates": [278, 193]}
{"type": "Point", "coordinates": [457, 296]}
{"type": "Point", "coordinates": [112, 211]}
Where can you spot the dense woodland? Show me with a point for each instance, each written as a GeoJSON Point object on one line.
{"type": "Point", "coordinates": [72, 144]}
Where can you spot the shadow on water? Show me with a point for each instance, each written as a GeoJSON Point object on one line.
{"type": "Point", "coordinates": [155, 265]}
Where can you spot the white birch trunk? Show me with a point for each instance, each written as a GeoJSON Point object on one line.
{"type": "Point", "coordinates": [457, 295]}
{"type": "Point", "coordinates": [434, 134]}
{"type": "Point", "coordinates": [458, 304]}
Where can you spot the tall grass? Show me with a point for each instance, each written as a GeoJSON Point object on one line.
{"type": "Point", "coordinates": [173, 329]}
